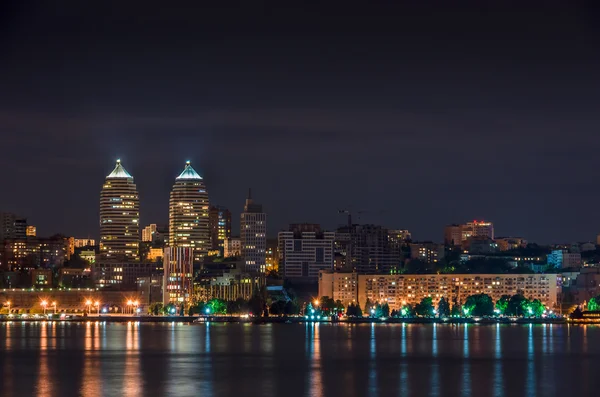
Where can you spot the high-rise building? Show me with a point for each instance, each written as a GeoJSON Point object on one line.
{"type": "Point", "coordinates": [253, 236]}
{"type": "Point", "coordinates": [12, 227]}
{"type": "Point", "coordinates": [219, 220]}
{"type": "Point", "coordinates": [119, 216]}
{"type": "Point", "coordinates": [478, 229]}
{"type": "Point", "coordinates": [457, 234]}
{"type": "Point", "coordinates": [178, 281]}
{"type": "Point", "coordinates": [372, 250]}
{"type": "Point", "coordinates": [148, 233]}
{"type": "Point", "coordinates": [304, 252]}
{"type": "Point", "coordinates": [453, 235]}
{"type": "Point", "coordinates": [400, 235]}
{"type": "Point", "coordinates": [31, 231]}
{"type": "Point", "coordinates": [188, 213]}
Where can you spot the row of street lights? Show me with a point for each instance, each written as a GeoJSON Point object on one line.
{"type": "Point", "coordinates": [44, 304]}
{"type": "Point", "coordinates": [131, 304]}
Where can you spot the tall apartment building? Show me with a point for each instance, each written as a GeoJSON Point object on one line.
{"type": "Point", "coordinates": [305, 250]}
{"type": "Point", "coordinates": [457, 234]}
{"type": "Point", "coordinates": [188, 213]}
{"type": "Point", "coordinates": [178, 281]}
{"type": "Point", "coordinates": [148, 233]}
{"type": "Point", "coordinates": [119, 216]}
{"type": "Point", "coordinates": [369, 247]}
{"type": "Point", "coordinates": [478, 229]}
{"type": "Point", "coordinates": [253, 236]}
{"type": "Point", "coordinates": [219, 221]}
{"type": "Point", "coordinates": [12, 227]}
{"type": "Point", "coordinates": [398, 290]}
{"type": "Point", "coordinates": [399, 236]}
{"type": "Point", "coordinates": [453, 235]}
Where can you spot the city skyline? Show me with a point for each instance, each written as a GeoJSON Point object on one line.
{"type": "Point", "coordinates": [272, 232]}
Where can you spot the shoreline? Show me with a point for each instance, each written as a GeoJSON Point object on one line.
{"type": "Point", "coordinates": [299, 320]}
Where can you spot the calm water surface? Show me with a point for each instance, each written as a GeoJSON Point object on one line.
{"type": "Point", "coordinates": [131, 359]}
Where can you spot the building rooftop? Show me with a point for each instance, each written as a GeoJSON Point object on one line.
{"type": "Point", "coordinates": [189, 172]}
{"type": "Point", "coordinates": [119, 172]}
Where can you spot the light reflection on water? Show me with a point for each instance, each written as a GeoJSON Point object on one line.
{"type": "Point", "coordinates": [133, 359]}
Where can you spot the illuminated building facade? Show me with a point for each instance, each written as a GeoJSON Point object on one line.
{"type": "Point", "coordinates": [31, 231]}
{"type": "Point", "coordinates": [219, 219]}
{"type": "Point", "coordinates": [305, 252]}
{"type": "Point", "coordinates": [178, 282]}
{"type": "Point", "coordinates": [398, 290]}
{"type": "Point", "coordinates": [478, 229]}
{"type": "Point", "coordinates": [148, 233]}
{"type": "Point", "coordinates": [253, 236]}
{"type": "Point", "coordinates": [84, 242]}
{"type": "Point", "coordinates": [232, 247]}
{"type": "Point", "coordinates": [188, 213]}
{"type": "Point", "coordinates": [272, 255]}
{"type": "Point", "coordinates": [427, 252]}
{"type": "Point", "coordinates": [119, 216]}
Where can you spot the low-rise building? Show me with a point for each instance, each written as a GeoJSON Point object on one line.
{"type": "Point", "coordinates": [564, 259]}
{"type": "Point", "coordinates": [427, 252]}
{"type": "Point", "coordinates": [232, 246]}
{"type": "Point", "coordinates": [510, 243]}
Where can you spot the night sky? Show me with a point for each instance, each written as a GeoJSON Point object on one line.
{"type": "Point", "coordinates": [422, 115]}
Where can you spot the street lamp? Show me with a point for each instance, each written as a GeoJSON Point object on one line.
{"type": "Point", "coordinates": [129, 304]}
{"type": "Point", "coordinates": [317, 302]}
{"type": "Point", "coordinates": [54, 304]}
{"type": "Point", "coordinates": [44, 304]}
{"type": "Point", "coordinates": [88, 303]}
{"type": "Point", "coordinates": [97, 304]}
{"type": "Point", "coordinates": [135, 305]}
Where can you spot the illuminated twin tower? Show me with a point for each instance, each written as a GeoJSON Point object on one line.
{"type": "Point", "coordinates": [120, 214]}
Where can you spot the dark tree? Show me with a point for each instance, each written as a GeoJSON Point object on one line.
{"type": "Point", "coordinates": [479, 305]}
{"type": "Point", "coordinates": [517, 305]}
{"type": "Point", "coordinates": [425, 307]}
{"type": "Point", "coordinates": [443, 308]}
{"type": "Point", "coordinates": [385, 310]}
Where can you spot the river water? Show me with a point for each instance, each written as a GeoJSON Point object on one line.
{"type": "Point", "coordinates": [132, 359]}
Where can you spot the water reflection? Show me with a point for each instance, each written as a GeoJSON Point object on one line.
{"type": "Point", "coordinates": [531, 389]}
{"type": "Point", "coordinates": [498, 388]}
{"type": "Point", "coordinates": [44, 385]}
{"type": "Point", "coordinates": [404, 386]}
{"type": "Point", "coordinates": [132, 381]}
{"type": "Point", "coordinates": [315, 387]}
{"type": "Point", "coordinates": [373, 363]}
{"type": "Point", "coordinates": [98, 359]}
{"type": "Point", "coordinates": [91, 384]}
{"type": "Point", "coordinates": [7, 373]}
{"type": "Point", "coordinates": [466, 378]}
{"type": "Point", "coordinates": [435, 371]}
